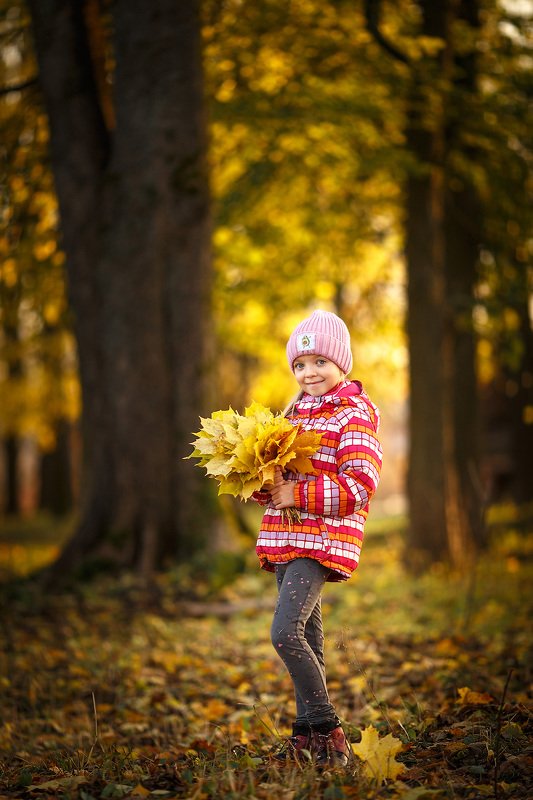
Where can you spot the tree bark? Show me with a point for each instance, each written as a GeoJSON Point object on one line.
{"type": "Point", "coordinates": [159, 201]}
{"type": "Point", "coordinates": [426, 287]}
{"type": "Point", "coordinates": [10, 300]}
{"type": "Point", "coordinates": [135, 218]}
{"type": "Point", "coordinates": [443, 233]}
{"type": "Point", "coordinates": [521, 401]}
{"type": "Point", "coordinates": [79, 151]}
{"type": "Point", "coordinates": [11, 493]}
{"type": "Point", "coordinates": [463, 234]}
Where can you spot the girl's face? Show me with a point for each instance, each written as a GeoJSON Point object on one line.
{"type": "Point", "coordinates": [316, 375]}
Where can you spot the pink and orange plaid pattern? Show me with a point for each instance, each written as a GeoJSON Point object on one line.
{"type": "Point", "coordinates": [333, 504]}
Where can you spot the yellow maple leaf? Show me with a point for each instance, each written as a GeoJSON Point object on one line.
{"type": "Point", "coordinates": [260, 413]}
{"type": "Point", "coordinates": [243, 456]}
{"type": "Point", "coordinates": [249, 486]}
{"type": "Point", "coordinates": [230, 485]}
{"type": "Point", "coordinates": [246, 427]}
{"type": "Point", "coordinates": [217, 466]}
{"type": "Point", "coordinates": [301, 464]}
{"type": "Point", "coordinates": [378, 755]}
{"type": "Point", "coordinates": [306, 445]}
{"type": "Point", "coordinates": [273, 442]}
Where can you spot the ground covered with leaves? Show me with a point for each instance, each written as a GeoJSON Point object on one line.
{"type": "Point", "coordinates": [112, 690]}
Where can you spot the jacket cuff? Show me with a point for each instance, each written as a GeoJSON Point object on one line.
{"type": "Point", "coordinates": [299, 494]}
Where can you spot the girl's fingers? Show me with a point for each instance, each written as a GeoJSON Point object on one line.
{"type": "Point", "coordinates": [282, 495]}
{"type": "Point", "coordinates": [278, 476]}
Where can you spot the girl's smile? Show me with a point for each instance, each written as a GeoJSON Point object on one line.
{"type": "Point", "coordinates": [316, 375]}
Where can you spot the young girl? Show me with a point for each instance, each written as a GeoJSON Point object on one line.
{"type": "Point", "coordinates": [324, 545]}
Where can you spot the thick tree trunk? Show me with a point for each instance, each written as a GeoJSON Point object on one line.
{"type": "Point", "coordinates": [426, 262]}
{"type": "Point", "coordinates": [442, 240]}
{"type": "Point", "coordinates": [156, 309]}
{"type": "Point", "coordinates": [464, 495]}
{"type": "Point", "coordinates": [425, 327]}
{"type": "Point", "coordinates": [135, 218]}
{"type": "Point", "coordinates": [464, 235]}
{"type": "Point", "coordinates": [521, 402]}
{"type": "Point", "coordinates": [79, 149]}
{"type": "Point", "coordinates": [463, 232]}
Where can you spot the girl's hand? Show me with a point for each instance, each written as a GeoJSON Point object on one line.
{"type": "Point", "coordinates": [282, 493]}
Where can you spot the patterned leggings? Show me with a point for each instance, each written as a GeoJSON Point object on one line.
{"type": "Point", "coordinates": [298, 637]}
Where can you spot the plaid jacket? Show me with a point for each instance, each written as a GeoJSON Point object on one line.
{"type": "Point", "coordinates": [333, 503]}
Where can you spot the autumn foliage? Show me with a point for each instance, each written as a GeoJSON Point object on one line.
{"type": "Point", "coordinates": [243, 452]}
{"type": "Point", "coordinates": [174, 691]}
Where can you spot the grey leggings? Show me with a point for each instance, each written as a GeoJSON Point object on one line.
{"type": "Point", "coordinates": [298, 637]}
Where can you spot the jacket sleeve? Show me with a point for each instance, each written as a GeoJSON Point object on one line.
{"type": "Point", "coordinates": [358, 459]}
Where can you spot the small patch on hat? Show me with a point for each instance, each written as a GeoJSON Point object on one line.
{"type": "Point", "coordinates": [305, 341]}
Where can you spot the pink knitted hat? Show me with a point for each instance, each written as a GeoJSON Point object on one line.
{"type": "Point", "coordinates": [324, 334]}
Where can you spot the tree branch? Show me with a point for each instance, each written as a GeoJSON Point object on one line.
{"type": "Point", "coordinates": [372, 16]}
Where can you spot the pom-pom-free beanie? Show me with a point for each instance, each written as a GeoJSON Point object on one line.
{"type": "Point", "coordinates": [324, 334]}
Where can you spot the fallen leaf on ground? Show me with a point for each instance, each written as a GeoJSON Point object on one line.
{"type": "Point", "coordinates": [378, 755]}
{"type": "Point", "coordinates": [65, 784]}
{"type": "Point", "coordinates": [467, 697]}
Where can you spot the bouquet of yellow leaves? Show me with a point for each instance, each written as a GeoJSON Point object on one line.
{"type": "Point", "coordinates": [242, 452]}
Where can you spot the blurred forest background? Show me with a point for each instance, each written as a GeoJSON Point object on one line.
{"type": "Point", "coordinates": [182, 182]}
{"type": "Point", "coordinates": [180, 187]}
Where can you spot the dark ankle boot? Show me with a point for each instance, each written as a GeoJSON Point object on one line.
{"type": "Point", "coordinates": [331, 749]}
{"type": "Point", "coordinates": [294, 746]}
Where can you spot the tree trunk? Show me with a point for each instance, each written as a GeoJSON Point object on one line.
{"type": "Point", "coordinates": [79, 150]}
{"type": "Point", "coordinates": [442, 240]}
{"type": "Point", "coordinates": [464, 494]}
{"type": "Point", "coordinates": [463, 234]}
{"type": "Point", "coordinates": [135, 218]}
{"type": "Point", "coordinates": [521, 402]}
{"type": "Point", "coordinates": [11, 501]}
{"type": "Point", "coordinates": [159, 201]}
{"type": "Point", "coordinates": [10, 301]}
{"type": "Point", "coordinates": [425, 256]}
{"type": "Point", "coordinates": [425, 331]}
